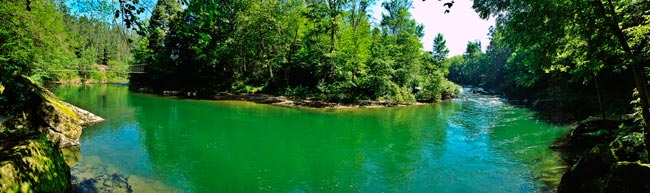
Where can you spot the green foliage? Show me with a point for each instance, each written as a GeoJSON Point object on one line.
{"type": "Point", "coordinates": [47, 43]}
{"type": "Point", "coordinates": [29, 40]}
{"type": "Point", "coordinates": [470, 68]}
{"type": "Point", "coordinates": [326, 50]}
{"type": "Point", "coordinates": [97, 46]}
{"type": "Point", "coordinates": [563, 52]}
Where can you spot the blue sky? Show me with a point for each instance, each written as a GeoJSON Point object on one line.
{"type": "Point", "coordinates": [458, 27]}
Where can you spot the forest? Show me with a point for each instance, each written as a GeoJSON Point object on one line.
{"type": "Point", "coordinates": [326, 50]}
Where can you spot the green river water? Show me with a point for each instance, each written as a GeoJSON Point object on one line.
{"type": "Point", "coordinates": [161, 144]}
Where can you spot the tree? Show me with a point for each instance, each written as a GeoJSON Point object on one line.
{"type": "Point", "coordinates": [322, 49]}
{"type": "Point", "coordinates": [592, 37]}
{"type": "Point", "coordinates": [439, 51]}
{"type": "Point", "coordinates": [31, 42]}
{"type": "Point", "coordinates": [153, 52]}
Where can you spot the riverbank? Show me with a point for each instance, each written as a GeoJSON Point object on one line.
{"type": "Point", "coordinates": [284, 101]}
{"type": "Point", "coordinates": [78, 81]}
{"type": "Point", "coordinates": [305, 103]}
{"type": "Point", "coordinates": [606, 156]}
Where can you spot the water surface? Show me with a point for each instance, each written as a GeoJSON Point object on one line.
{"type": "Point", "coordinates": [473, 144]}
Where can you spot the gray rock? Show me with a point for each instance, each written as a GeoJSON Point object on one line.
{"type": "Point", "coordinates": [107, 183]}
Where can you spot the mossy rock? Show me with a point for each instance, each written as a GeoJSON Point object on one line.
{"type": "Point", "coordinates": [59, 121]}
{"type": "Point", "coordinates": [71, 155]}
{"type": "Point", "coordinates": [591, 132]}
{"type": "Point", "coordinates": [30, 158]}
{"type": "Point", "coordinates": [60, 126]}
{"type": "Point", "coordinates": [590, 173]}
{"type": "Point", "coordinates": [628, 177]}
{"type": "Point", "coordinates": [32, 164]}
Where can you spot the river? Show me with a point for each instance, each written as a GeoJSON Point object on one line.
{"type": "Point", "coordinates": [160, 144]}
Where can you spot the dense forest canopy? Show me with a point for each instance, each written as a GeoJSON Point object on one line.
{"type": "Point", "coordinates": [326, 50]}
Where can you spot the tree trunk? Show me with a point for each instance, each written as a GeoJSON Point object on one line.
{"type": "Point", "coordinates": [333, 37]}
{"type": "Point", "coordinates": [600, 99]}
{"type": "Point", "coordinates": [637, 71]}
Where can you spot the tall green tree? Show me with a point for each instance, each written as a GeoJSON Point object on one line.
{"type": "Point", "coordinates": [440, 50]}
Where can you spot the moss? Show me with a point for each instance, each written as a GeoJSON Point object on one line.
{"type": "Point", "coordinates": [60, 106]}
{"type": "Point", "coordinates": [589, 174]}
{"type": "Point", "coordinates": [32, 164]}
{"type": "Point", "coordinates": [30, 160]}
{"type": "Point", "coordinates": [47, 96]}
{"type": "Point", "coordinates": [613, 164]}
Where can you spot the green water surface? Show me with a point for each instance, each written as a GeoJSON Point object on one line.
{"type": "Point", "coordinates": [472, 144]}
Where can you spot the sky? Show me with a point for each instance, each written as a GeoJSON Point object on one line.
{"type": "Point", "coordinates": [458, 27]}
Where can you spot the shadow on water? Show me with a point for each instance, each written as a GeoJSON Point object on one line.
{"type": "Point", "coordinates": [473, 144]}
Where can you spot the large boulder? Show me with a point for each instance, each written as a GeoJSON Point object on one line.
{"type": "Point", "coordinates": [32, 164]}
{"type": "Point", "coordinates": [59, 121]}
{"type": "Point", "coordinates": [590, 173]}
{"type": "Point", "coordinates": [591, 132]}
{"type": "Point", "coordinates": [31, 137]}
{"type": "Point", "coordinates": [63, 121]}
{"type": "Point", "coordinates": [612, 164]}
{"type": "Point", "coordinates": [61, 124]}
{"type": "Point", "coordinates": [628, 177]}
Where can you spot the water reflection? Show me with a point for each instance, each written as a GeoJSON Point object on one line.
{"type": "Point", "coordinates": [478, 144]}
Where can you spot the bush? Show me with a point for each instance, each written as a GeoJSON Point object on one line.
{"type": "Point", "coordinates": [399, 95]}
{"type": "Point", "coordinates": [438, 89]}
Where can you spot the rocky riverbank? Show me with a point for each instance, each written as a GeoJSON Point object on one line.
{"type": "Point", "coordinates": [305, 103]}
{"type": "Point", "coordinates": [606, 156]}
{"type": "Point", "coordinates": [282, 100]}
{"type": "Point", "coordinates": [30, 150]}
